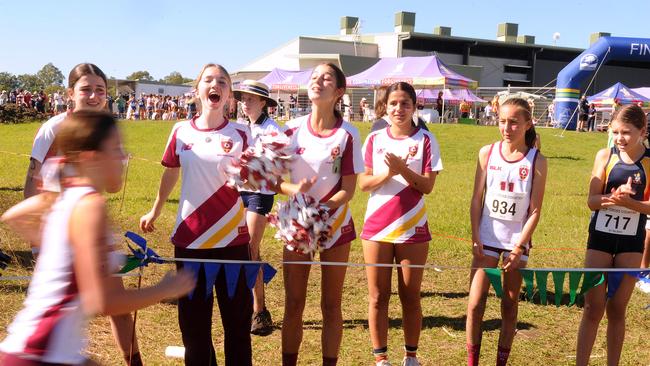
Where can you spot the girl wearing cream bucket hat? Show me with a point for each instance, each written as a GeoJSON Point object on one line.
{"type": "Point", "coordinates": [255, 88]}
{"type": "Point", "coordinates": [254, 99]}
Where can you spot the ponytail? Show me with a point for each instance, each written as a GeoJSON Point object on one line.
{"type": "Point", "coordinates": [531, 137]}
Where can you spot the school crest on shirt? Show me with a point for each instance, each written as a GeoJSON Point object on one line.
{"type": "Point", "coordinates": [523, 172]}
{"type": "Point", "coordinates": [413, 150]}
{"type": "Point", "coordinates": [336, 152]}
{"type": "Point", "coordinates": [381, 151]}
{"type": "Point", "coordinates": [187, 147]}
{"type": "Point", "coordinates": [300, 150]}
{"type": "Point", "coordinates": [226, 145]}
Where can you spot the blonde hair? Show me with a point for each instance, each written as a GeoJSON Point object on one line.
{"type": "Point", "coordinates": [198, 80]}
{"type": "Point", "coordinates": [221, 68]}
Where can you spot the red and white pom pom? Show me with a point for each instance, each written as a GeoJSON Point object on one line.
{"type": "Point", "coordinates": [262, 164]}
{"type": "Point", "coordinates": [304, 225]}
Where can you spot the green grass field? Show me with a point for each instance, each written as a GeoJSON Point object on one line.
{"type": "Point", "coordinates": [547, 334]}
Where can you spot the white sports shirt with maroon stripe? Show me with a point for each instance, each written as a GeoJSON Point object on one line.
{"type": "Point", "coordinates": [508, 188]}
{"type": "Point", "coordinates": [396, 212]}
{"type": "Point", "coordinates": [328, 158]}
{"type": "Point", "coordinates": [51, 327]}
{"type": "Point", "coordinates": [43, 146]}
{"type": "Point", "coordinates": [44, 151]}
{"type": "Point", "coordinates": [211, 214]}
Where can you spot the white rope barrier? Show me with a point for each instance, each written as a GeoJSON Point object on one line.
{"type": "Point", "coordinates": [434, 267]}
{"type": "Point", "coordinates": [27, 278]}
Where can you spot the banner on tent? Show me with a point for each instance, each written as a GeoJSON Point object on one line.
{"type": "Point", "coordinates": [390, 81]}
{"type": "Point", "coordinates": [285, 87]}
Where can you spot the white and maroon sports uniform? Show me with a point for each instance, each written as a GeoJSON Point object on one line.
{"type": "Point", "coordinates": [263, 125]}
{"type": "Point", "coordinates": [51, 327]}
{"type": "Point", "coordinates": [508, 188]}
{"type": "Point", "coordinates": [396, 212]}
{"type": "Point", "coordinates": [328, 158]}
{"type": "Point", "coordinates": [43, 147]}
{"type": "Point", "coordinates": [44, 151]}
{"type": "Point", "coordinates": [210, 213]}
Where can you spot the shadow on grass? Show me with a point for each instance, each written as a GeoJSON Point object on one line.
{"type": "Point", "coordinates": [446, 295]}
{"type": "Point", "coordinates": [458, 323]}
{"type": "Point", "coordinates": [118, 197]}
{"type": "Point", "coordinates": [11, 189]}
{"type": "Point", "coordinates": [13, 287]}
{"type": "Point", "coordinates": [550, 299]}
{"type": "Point", "coordinates": [21, 258]}
{"type": "Point", "coordinates": [428, 322]}
{"type": "Point", "coordinates": [565, 157]}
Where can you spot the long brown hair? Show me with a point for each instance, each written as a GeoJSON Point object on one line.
{"type": "Point", "coordinates": [525, 110]}
{"type": "Point", "coordinates": [380, 102]}
{"type": "Point", "coordinates": [84, 69]}
{"type": "Point", "coordinates": [403, 86]}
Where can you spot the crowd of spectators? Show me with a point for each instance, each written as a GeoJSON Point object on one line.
{"type": "Point", "coordinates": [124, 106]}
{"type": "Point", "coordinates": [39, 100]}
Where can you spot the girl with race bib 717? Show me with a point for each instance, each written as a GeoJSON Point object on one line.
{"type": "Point", "coordinates": [619, 194]}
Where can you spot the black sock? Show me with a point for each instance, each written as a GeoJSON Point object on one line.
{"type": "Point", "coordinates": [411, 351]}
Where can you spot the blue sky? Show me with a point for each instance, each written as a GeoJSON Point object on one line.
{"type": "Point", "coordinates": [123, 36]}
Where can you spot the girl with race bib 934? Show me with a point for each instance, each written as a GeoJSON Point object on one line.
{"type": "Point", "coordinates": [506, 207]}
{"type": "Point", "coordinates": [619, 193]}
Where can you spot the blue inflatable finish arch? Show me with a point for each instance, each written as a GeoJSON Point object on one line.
{"type": "Point", "coordinates": [569, 80]}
